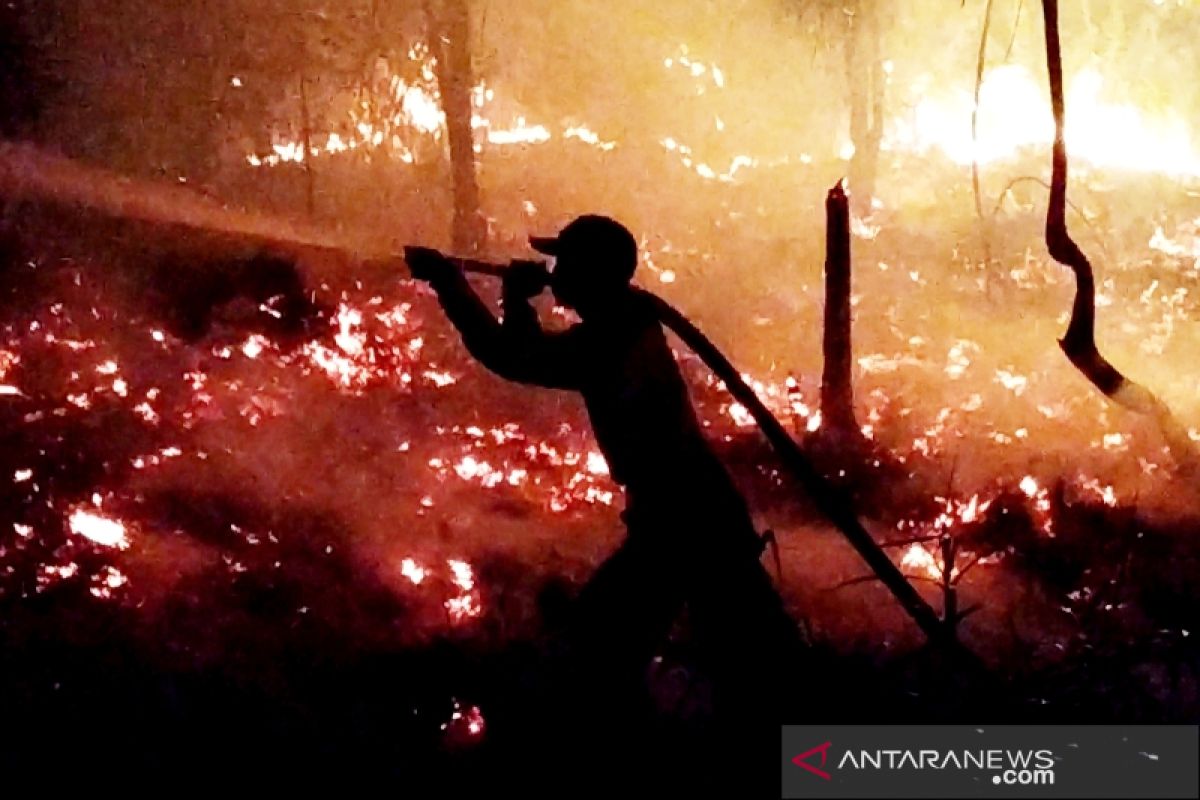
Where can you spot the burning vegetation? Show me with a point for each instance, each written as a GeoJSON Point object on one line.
{"type": "Point", "coordinates": [236, 437]}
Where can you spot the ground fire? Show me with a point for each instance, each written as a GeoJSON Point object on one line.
{"type": "Point", "coordinates": [250, 473]}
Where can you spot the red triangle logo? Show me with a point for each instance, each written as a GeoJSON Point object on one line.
{"type": "Point", "coordinates": [800, 760]}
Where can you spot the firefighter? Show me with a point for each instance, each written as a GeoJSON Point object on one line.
{"type": "Point", "coordinates": [690, 538]}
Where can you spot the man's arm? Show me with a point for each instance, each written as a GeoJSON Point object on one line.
{"type": "Point", "coordinates": [517, 348]}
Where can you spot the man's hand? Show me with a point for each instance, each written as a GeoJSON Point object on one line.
{"type": "Point", "coordinates": [526, 278]}
{"type": "Point", "coordinates": [427, 264]}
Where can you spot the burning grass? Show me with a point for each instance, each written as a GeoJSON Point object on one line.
{"type": "Point", "coordinates": [355, 485]}
{"type": "Point", "coordinates": [259, 505]}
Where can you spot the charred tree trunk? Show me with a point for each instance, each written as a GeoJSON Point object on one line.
{"type": "Point", "coordinates": [1079, 342]}
{"type": "Point", "coordinates": [837, 390]}
{"type": "Point", "coordinates": [984, 222]}
{"type": "Point", "coordinates": [451, 32]}
{"type": "Point", "coordinates": [306, 140]}
{"type": "Point", "coordinates": [865, 79]}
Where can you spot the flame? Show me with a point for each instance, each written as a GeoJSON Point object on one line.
{"type": "Point", "coordinates": [520, 133]}
{"type": "Point", "coordinates": [1014, 114]}
{"type": "Point", "coordinates": [918, 559]}
{"type": "Point", "coordinates": [371, 345]}
{"type": "Point", "coordinates": [398, 116]}
{"type": "Point", "coordinates": [588, 136]}
{"type": "Point", "coordinates": [1040, 496]}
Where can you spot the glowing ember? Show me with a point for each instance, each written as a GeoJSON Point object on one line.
{"type": "Point", "coordinates": [1103, 492]}
{"type": "Point", "coordinates": [349, 338]}
{"type": "Point", "coordinates": [8, 360]}
{"type": "Point", "coordinates": [1114, 441]}
{"type": "Point", "coordinates": [146, 412]}
{"type": "Point", "coordinates": [474, 720]}
{"type": "Point", "coordinates": [1011, 381]}
{"type": "Point", "coordinates": [469, 723]}
{"type": "Point", "coordinates": [62, 572]}
{"type": "Point", "coordinates": [1040, 496]}
{"type": "Point", "coordinates": [254, 346]}
{"type": "Point", "coordinates": [439, 378]}
{"type": "Point", "coordinates": [106, 581]}
{"type": "Point", "coordinates": [463, 607]}
{"type": "Point", "coordinates": [587, 135]}
{"type": "Point", "coordinates": [1029, 486]}
{"type": "Point", "coordinates": [469, 467]}
{"type": "Point", "coordinates": [464, 578]}
{"type": "Point", "coordinates": [740, 415]}
{"type": "Point", "coordinates": [466, 605]}
{"type": "Point", "coordinates": [98, 528]}
{"type": "Point", "coordinates": [413, 571]}
{"type": "Point", "coordinates": [596, 463]}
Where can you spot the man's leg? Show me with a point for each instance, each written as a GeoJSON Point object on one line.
{"type": "Point", "coordinates": [621, 617]}
{"type": "Point", "coordinates": [748, 640]}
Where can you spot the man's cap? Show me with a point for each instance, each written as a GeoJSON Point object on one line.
{"type": "Point", "coordinates": [595, 236]}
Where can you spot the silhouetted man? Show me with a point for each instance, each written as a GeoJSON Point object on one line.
{"type": "Point", "coordinates": [690, 536]}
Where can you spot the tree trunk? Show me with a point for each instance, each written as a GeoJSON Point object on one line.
{"type": "Point", "coordinates": [837, 390]}
{"type": "Point", "coordinates": [984, 223]}
{"type": "Point", "coordinates": [451, 35]}
{"type": "Point", "coordinates": [865, 82]}
{"type": "Point", "coordinates": [306, 140]}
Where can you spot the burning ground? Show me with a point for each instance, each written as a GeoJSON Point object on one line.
{"type": "Point", "coordinates": [227, 504]}
{"type": "Point", "coordinates": [256, 497]}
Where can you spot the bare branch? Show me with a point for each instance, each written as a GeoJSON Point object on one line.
{"type": "Point", "coordinates": [1079, 342]}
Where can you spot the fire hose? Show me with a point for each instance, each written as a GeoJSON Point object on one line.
{"type": "Point", "coordinates": [830, 500]}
